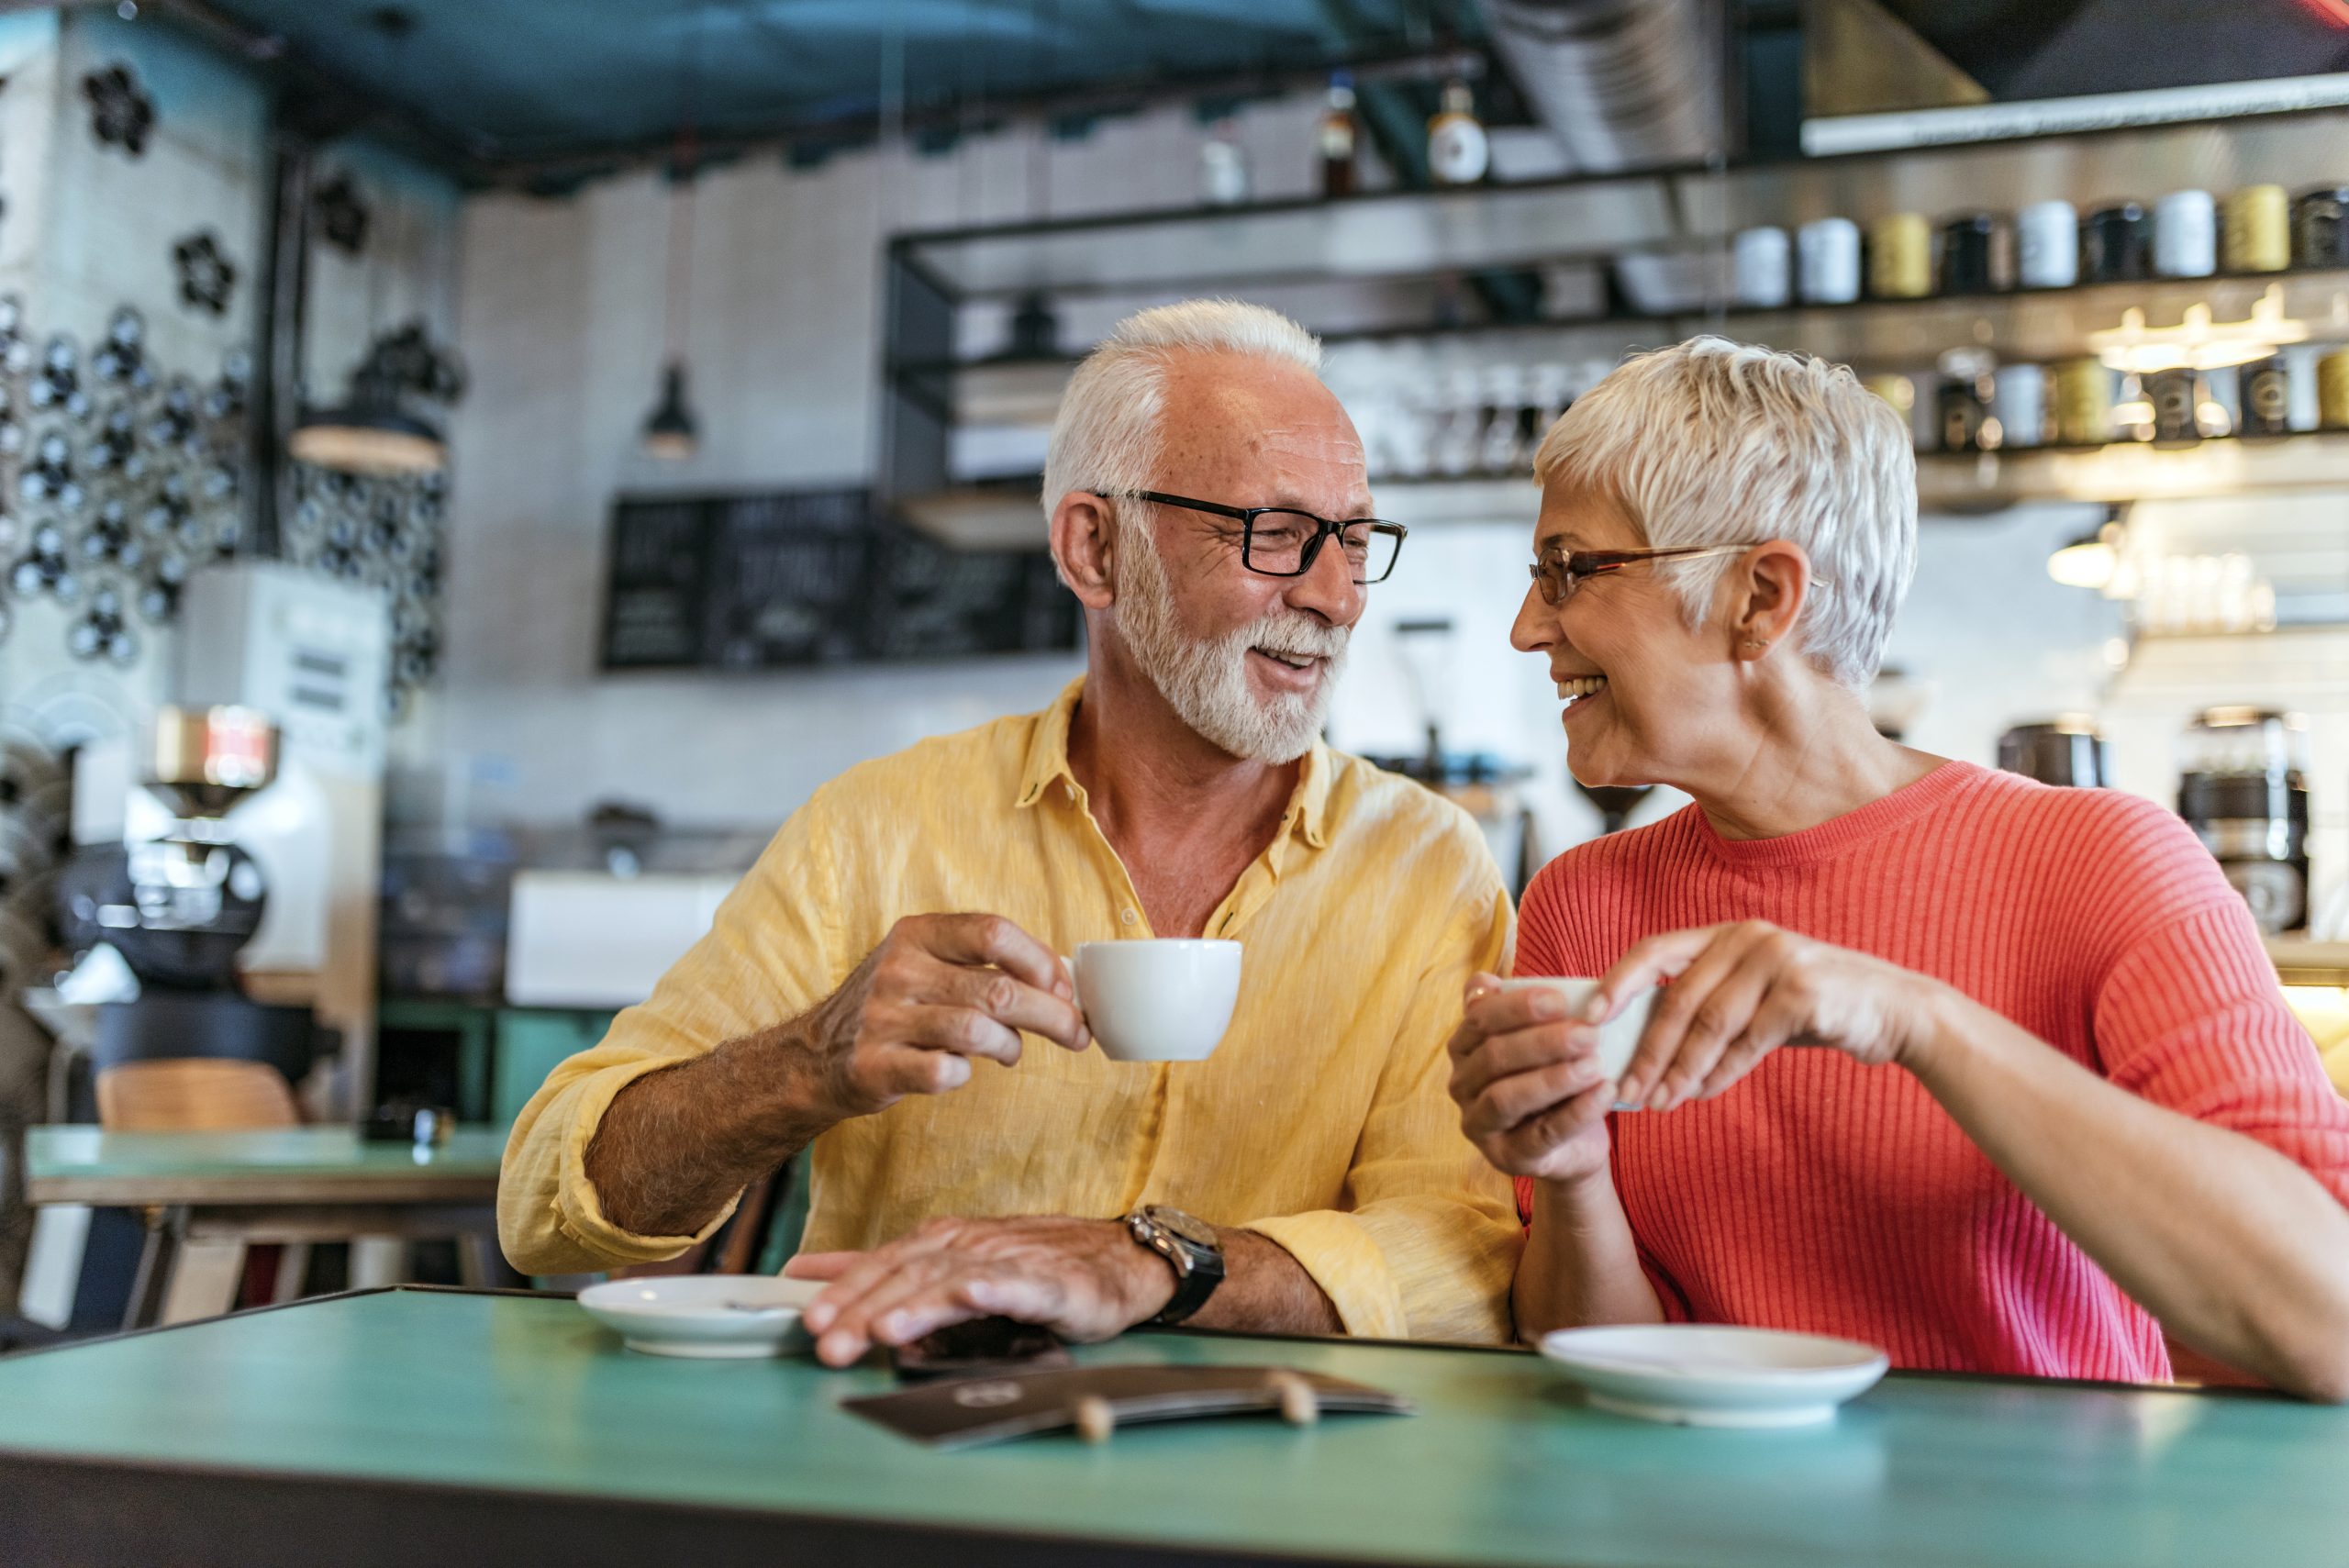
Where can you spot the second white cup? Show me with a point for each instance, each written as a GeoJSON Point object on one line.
{"type": "Point", "coordinates": [1618, 1038]}
{"type": "Point", "coordinates": [1157, 998]}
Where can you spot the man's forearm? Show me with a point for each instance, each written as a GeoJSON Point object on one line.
{"type": "Point", "coordinates": [1581, 1266]}
{"type": "Point", "coordinates": [675, 1144]}
{"type": "Point", "coordinates": [1266, 1290]}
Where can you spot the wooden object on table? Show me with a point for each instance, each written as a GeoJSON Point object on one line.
{"type": "Point", "coordinates": [194, 1095]}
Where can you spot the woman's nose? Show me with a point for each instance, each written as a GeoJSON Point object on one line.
{"type": "Point", "coordinates": [1537, 624]}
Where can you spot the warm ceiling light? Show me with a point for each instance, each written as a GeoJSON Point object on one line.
{"type": "Point", "coordinates": [368, 436]}
{"type": "Point", "coordinates": [2090, 561]}
{"type": "Point", "coordinates": [2196, 343]}
{"type": "Point", "coordinates": [672, 434]}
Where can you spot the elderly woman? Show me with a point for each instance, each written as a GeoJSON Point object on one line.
{"type": "Point", "coordinates": [1990, 1074]}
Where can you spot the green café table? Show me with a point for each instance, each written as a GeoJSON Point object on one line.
{"type": "Point", "coordinates": [419, 1426]}
{"type": "Point", "coordinates": [211, 1194]}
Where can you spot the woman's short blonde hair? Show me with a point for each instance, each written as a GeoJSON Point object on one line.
{"type": "Point", "coordinates": [1715, 442]}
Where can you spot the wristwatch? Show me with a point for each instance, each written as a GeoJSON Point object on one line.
{"type": "Point", "coordinates": [1189, 1246]}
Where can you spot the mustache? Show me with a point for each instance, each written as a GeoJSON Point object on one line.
{"type": "Point", "coordinates": [1295, 635]}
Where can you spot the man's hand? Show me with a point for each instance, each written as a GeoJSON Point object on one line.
{"type": "Point", "coordinates": [939, 990]}
{"type": "Point", "coordinates": [1083, 1279]}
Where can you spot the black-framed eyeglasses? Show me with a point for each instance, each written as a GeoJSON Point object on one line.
{"type": "Point", "coordinates": [1280, 541]}
{"type": "Point", "coordinates": [1558, 573]}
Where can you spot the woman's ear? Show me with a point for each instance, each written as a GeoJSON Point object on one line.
{"type": "Point", "coordinates": [1084, 540]}
{"type": "Point", "coordinates": [1769, 588]}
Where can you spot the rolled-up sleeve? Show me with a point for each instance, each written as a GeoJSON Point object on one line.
{"type": "Point", "coordinates": [773, 952]}
{"type": "Point", "coordinates": [1430, 1244]}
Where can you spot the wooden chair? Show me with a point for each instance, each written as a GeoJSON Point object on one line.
{"type": "Point", "coordinates": [203, 1095]}
{"type": "Point", "coordinates": [195, 1095]}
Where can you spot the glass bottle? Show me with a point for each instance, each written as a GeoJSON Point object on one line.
{"type": "Point", "coordinates": [1223, 166]}
{"type": "Point", "coordinates": [1458, 150]}
{"type": "Point", "coordinates": [1337, 135]}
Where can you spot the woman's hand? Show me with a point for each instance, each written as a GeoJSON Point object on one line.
{"type": "Point", "coordinates": [1532, 1096]}
{"type": "Point", "coordinates": [1740, 992]}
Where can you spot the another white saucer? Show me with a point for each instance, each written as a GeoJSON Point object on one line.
{"type": "Point", "coordinates": [730, 1317]}
{"type": "Point", "coordinates": [1702, 1375]}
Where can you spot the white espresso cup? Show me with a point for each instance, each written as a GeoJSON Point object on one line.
{"type": "Point", "coordinates": [1157, 998]}
{"type": "Point", "coordinates": [1618, 1038]}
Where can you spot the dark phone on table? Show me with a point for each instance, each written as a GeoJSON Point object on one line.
{"type": "Point", "coordinates": [982, 1346]}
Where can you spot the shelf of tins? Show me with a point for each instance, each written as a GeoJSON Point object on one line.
{"type": "Point", "coordinates": [1002, 513]}
{"type": "Point", "coordinates": [1876, 336]}
{"type": "Point", "coordinates": [1408, 233]}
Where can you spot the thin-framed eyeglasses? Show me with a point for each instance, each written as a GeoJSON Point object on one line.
{"type": "Point", "coordinates": [1558, 573]}
{"type": "Point", "coordinates": [1281, 541]}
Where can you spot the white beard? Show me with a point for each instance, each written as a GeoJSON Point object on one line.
{"type": "Point", "coordinates": [1205, 680]}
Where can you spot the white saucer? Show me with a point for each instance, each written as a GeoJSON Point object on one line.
{"type": "Point", "coordinates": [1702, 1375]}
{"type": "Point", "coordinates": [727, 1317]}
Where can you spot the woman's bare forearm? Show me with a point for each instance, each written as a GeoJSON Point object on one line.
{"type": "Point", "coordinates": [2237, 1249]}
{"type": "Point", "coordinates": [1581, 1266]}
{"type": "Point", "coordinates": [676, 1144]}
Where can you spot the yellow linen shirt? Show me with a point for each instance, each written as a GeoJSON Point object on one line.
{"type": "Point", "coordinates": [1322, 1121]}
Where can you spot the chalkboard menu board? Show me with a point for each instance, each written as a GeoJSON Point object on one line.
{"type": "Point", "coordinates": [813, 577]}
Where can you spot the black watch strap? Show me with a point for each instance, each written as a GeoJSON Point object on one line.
{"type": "Point", "coordinates": [1190, 1249]}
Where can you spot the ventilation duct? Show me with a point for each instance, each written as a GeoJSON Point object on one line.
{"type": "Point", "coordinates": [1621, 84]}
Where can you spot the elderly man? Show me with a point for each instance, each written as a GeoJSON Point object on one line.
{"type": "Point", "coordinates": [884, 987]}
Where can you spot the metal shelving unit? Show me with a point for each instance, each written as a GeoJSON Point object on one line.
{"type": "Point", "coordinates": [1683, 216]}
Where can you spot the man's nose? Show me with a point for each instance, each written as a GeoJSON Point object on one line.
{"type": "Point", "coordinates": [1536, 627]}
{"type": "Point", "coordinates": [1327, 588]}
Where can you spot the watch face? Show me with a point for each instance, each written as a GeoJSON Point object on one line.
{"type": "Point", "coordinates": [1175, 1222]}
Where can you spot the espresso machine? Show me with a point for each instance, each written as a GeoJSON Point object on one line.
{"type": "Point", "coordinates": [180, 905]}
{"type": "Point", "coordinates": [308, 657]}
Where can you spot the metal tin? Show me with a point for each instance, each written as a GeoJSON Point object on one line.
{"type": "Point", "coordinates": [2047, 241]}
{"type": "Point", "coordinates": [2019, 405]}
{"type": "Point", "coordinates": [2255, 230]}
{"type": "Point", "coordinates": [2116, 244]}
{"type": "Point", "coordinates": [1900, 257]}
{"type": "Point", "coordinates": [1762, 267]}
{"type": "Point", "coordinates": [2185, 234]}
{"type": "Point", "coordinates": [2175, 393]}
{"type": "Point", "coordinates": [1974, 247]}
{"type": "Point", "coordinates": [1964, 408]}
{"type": "Point", "coordinates": [1827, 256]}
{"type": "Point", "coordinates": [2320, 228]}
{"type": "Point", "coordinates": [2266, 399]}
{"type": "Point", "coordinates": [2082, 403]}
{"type": "Point", "coordinates": [2333, 391]}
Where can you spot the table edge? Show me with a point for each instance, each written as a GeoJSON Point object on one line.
{"type": "Point", "coordinates": [1911, 1374]}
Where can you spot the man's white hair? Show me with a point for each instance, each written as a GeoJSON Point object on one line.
{"type": "Point", "coordinates": [1107, 437]}
{"type": "Point", "coordinates": [1714, 442]}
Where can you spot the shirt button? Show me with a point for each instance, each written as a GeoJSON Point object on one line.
{"type": "Point", "coordinates": [1127, 917]}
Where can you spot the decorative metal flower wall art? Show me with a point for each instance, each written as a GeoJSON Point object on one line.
{"type": "Point", "coordinates": [341, 215]}
{"type": "Point", "coordinates": [207, 276]}
{"type": "Point", "coordinates": [121, 114]}
{"type": "Point", "coordinates": [119, 479]}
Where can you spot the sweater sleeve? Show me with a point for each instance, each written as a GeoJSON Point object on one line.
{"type": "Point", "coordinates": [2191, 1017]}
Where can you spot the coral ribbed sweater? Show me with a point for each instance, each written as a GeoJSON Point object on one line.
{"type": "Point", "coordinates": [1823, 1196]}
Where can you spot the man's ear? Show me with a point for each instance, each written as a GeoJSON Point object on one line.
{"type": "Point", "coordinates": [1084, 539]}
{"type": "Point", "coordinates": [1770, 587]}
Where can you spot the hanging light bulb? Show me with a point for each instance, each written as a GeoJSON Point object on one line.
{"type": "Point", "coordinates": [672, 434]}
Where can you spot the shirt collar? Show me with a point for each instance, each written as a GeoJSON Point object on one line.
{"type": "Point", "coordinates": [1047, 764]}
